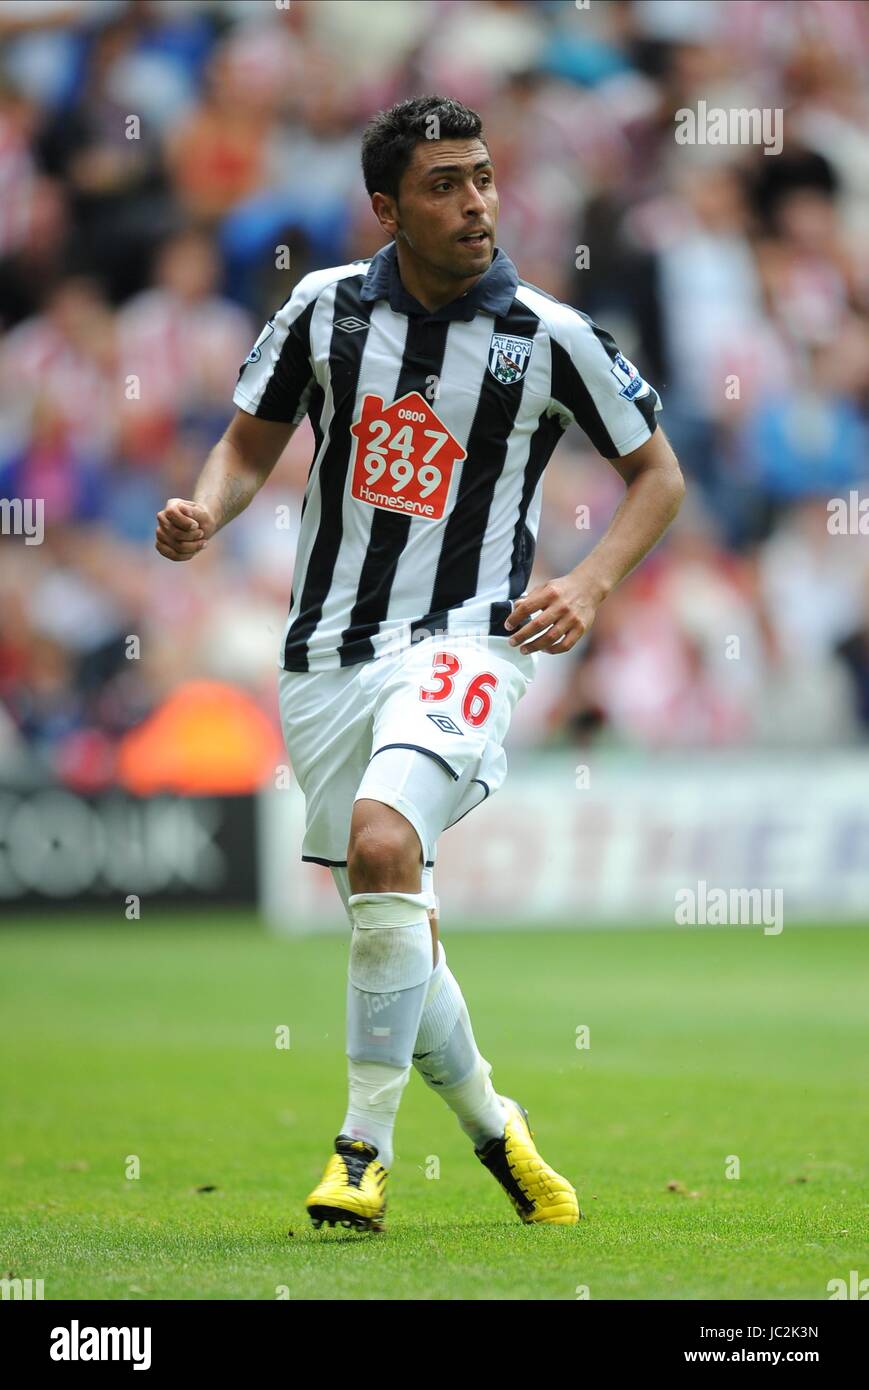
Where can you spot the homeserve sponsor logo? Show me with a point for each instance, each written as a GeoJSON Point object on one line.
{"type": "Point", "coordinates": [404, 504]}
{"type": "Point", "coordinates": [76, 1343]}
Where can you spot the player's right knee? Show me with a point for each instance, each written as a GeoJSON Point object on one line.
{"type": "Point", "coordinates": [384, 848]}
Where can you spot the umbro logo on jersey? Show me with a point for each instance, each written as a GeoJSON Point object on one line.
{"type": "Point", "coordinates": [455, 472]}
{"type": "Point", "coordinates": [509, 357]}
{"type": "Point", "coordinates": [444, 723]}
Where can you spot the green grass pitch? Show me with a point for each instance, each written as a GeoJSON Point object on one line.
{"type": "Point", "coordinates": [157, 1039]}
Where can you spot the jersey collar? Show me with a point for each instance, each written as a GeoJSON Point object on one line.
{"type": "Point", "coordinates": [493, 292]}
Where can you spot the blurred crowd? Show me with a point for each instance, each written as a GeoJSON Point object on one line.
{"type": "Point", "coordinates": [155, 153]}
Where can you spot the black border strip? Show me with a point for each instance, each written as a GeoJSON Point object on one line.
{"type": "Point", "coordinates": [417, 748]}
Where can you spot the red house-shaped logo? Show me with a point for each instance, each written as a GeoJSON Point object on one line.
{"type": "Point", "coordinates": [404, 457]}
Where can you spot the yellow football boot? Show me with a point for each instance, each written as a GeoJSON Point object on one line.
{"type": "Point", "coordinates": [351, 1190]}
{"type": "Point", "coordinates": [539, 1194]}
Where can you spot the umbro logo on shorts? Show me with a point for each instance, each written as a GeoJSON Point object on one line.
{"type": "Point", "coordinates": [444, 723]}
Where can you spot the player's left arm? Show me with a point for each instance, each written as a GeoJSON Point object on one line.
{"type": "Point", "coordinates": [566, 607]}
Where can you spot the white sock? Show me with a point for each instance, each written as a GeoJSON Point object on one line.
{"type": "Point", "coordinates": [375, 1091]}
{"type": "Point", "coordinates": [447, 1058]}
{"type": "Point", "coordinates": [388, 976]}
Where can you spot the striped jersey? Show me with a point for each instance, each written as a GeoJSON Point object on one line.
{"type": "Point", "coordinates": [432, 431]}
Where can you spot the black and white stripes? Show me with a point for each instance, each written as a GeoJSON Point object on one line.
{"type": "Point", "coordinates": [432, 432]}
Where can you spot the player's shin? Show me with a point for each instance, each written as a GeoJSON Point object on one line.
{"type": "Point", "coordinates": [447, 1058]}
{"type": "Point", "coordinates": [389, 969]}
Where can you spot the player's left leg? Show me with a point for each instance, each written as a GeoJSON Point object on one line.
{"type": "Point", "coordinates": [448, 1059]}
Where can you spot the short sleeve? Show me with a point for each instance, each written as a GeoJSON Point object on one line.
{"type": "Point", "coordinates": [276, 378]}
{"type": "Point", "coordinates": [597, 388]}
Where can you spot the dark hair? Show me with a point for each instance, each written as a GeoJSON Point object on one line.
{"type": "Point", "coordinates": [389, 138]}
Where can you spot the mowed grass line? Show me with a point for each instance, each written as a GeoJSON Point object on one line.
{"type": "Point", "coordinates": [157, 1040]}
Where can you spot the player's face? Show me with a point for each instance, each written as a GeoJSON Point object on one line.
{"type": "Point", "coordinates": [448, 206]}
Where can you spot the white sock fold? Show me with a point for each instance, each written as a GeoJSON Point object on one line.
{"type": "Point", "coordinates": [447, 1058]}
{"type": "Point", "coordinates": [375, 1091]}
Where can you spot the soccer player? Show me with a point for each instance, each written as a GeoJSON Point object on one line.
{"type": "Point", "coordinates": [438, 384]}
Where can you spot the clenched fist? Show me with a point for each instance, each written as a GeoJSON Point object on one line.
{"type": "Point", "coordinates": [183, 529]}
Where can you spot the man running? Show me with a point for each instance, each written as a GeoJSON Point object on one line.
{"type": "Point", "coordinates": [438, 384]}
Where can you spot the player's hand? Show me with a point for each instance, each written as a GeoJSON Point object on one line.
{"type": "Point", "coordinates": [183, 529]}
{"type": "Point", "coordinates": [565, 607]}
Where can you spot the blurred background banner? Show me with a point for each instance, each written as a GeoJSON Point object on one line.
{"type": "Point", "coordinates": [635, 841]}
{"type": "Point", "coordinates": [62, 850]}
{"type": "Point", "coordinates": [169, 169]}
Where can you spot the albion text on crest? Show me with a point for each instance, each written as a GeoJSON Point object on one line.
{"type": "Point", "coordinates": [509, 357]}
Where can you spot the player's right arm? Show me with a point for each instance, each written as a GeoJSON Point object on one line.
{"type": "Point", "coordinates": [233, 474]}
{"type": "Point", "coordinates": [272, 394]}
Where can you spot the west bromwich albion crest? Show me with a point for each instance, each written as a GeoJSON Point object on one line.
{"type": "Point", "coordinates": [509, 357]}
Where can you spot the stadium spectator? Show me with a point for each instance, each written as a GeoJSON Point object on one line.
{"type": "Point", "coordinates": [132, 271]}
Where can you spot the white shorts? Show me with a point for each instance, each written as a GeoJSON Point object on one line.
{"type": "Point", "coordinates": [421, 731]}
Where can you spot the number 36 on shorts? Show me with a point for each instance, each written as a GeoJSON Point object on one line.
{"type": "Point", "coordinates": [476, 702]}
